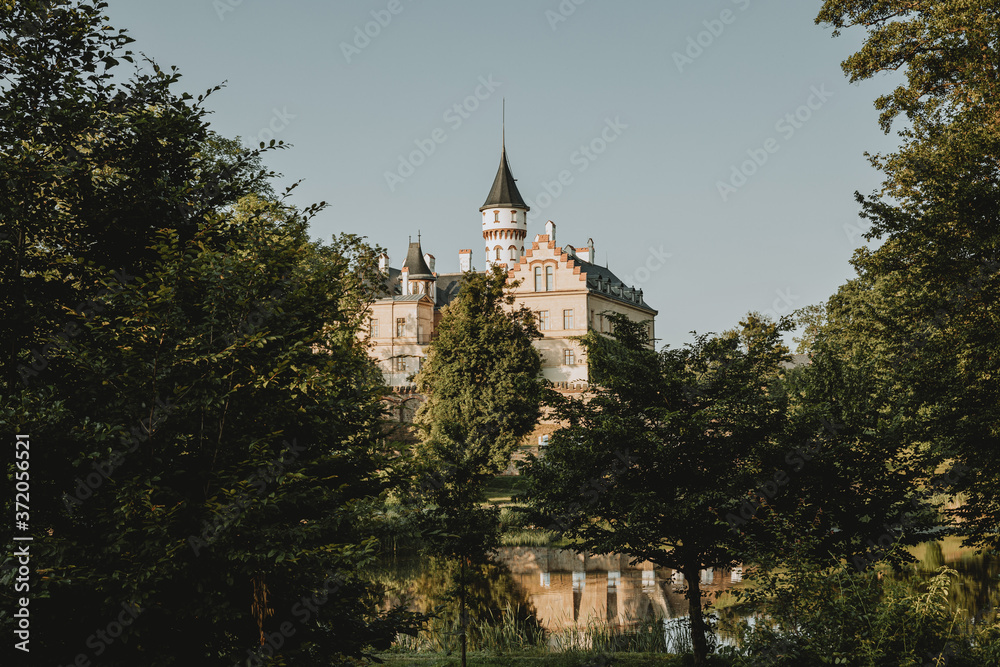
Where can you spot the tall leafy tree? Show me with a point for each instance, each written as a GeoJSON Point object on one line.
{"type": "Point", "coordinates": [201, 457]}
{"type": "Point", "coordinates": [204, 421]}
{"type": "Point", "coordinates": [481, 379]}
{"type": "Point", "coordinates": [666, 446]}
{"type": "Point", "coordinates": [926, 299]}
{"type": "Point", "coordinates": [859, 496]}
{"type": "Point", "coordinates": [94, 161]}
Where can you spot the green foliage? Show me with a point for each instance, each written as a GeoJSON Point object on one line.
{"type": "Point", "coordinates": [947, 50]}
{"type": "Point", "coordinates": [809, 613]}
{"type": "Point", "coordinates": [668, 443]}
{"type": "Point", "coordinates": [501, 619]}
{"type": "Point", "coordinates": [481, 378]}
{"type": "Point", "coordinates": [205, 425]}
{"type": "Point", "coordinates": [811, 318]}
{"type": "Point", "coordinates": [923, 313]}
{"type": "Point", "coordinates": [242, 489]}
{"type": "Point", "coordinates": [94, 162]}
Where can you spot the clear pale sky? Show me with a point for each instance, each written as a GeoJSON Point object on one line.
{"type": "Point", "coordinates": [664, 120]}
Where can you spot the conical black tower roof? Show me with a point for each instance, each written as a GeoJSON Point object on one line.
{"type": "Point", "coordinates": [504, 192]}
{"type": "Point", "coordinates": [416, 265]}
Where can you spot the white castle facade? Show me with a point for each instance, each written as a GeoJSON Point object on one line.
{"type": "Point", "coordinates": [565, 288]}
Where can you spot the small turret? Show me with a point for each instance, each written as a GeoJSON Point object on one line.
{"type": "Point", "coordinates": [418, 278]}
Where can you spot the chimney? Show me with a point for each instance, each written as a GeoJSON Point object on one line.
{"type": "Point", "coordinates": [464, 260]}
{"type": "Point", "coordinates": [550, 230]}
{"type": "Point", "coordinates": [591, 257]}
{"type": "Point", "coordinates": [429, 258]}
{"type": "Point", "coordinates": [383, 263]}
{"type": "Point", "coordinates": [405, 276]}
{"type": "Point", "coordinates": [583, 253]}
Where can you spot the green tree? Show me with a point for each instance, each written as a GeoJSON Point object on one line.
{"type": "Point", "coordinates": [201, 457]}
{"type": "Point", "coordinates": [204, 424]}
{"type": "Point", "coordinates": [861, 494]}
{"type": "Point", "coordinates": [810, 319]}
{"type": "Point", "coordinates": [481, 379]}
{"type": "Point", "coordinates": [665, 447]}
{"type": "Point", "coordinates": [926, 299]}
{"type": "Point", "coordinates": [813, 613]}
{"type": "Point", "coordinates": [94, 161]}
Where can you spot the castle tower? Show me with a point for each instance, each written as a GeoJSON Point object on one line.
{"type": "Point", "coordinates": [505, 218]}
{"type": "Point", "coordinates": [417, 277]}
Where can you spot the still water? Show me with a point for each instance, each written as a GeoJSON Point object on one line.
{"type": "Point", "coordinates": [560, 590]}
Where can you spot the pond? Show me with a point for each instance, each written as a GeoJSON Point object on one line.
{"type": "Point", "coordinates": [536, 592]}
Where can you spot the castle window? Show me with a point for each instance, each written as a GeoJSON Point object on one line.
{"type": "Point", "coordinates": [496, 216]}
{"type": "Point", "coordinates": [550, 279]}
{"type": "Point", "coordinates": [373, 327]}
{"type": "Point", "coordinates": [513, 216]}
{"type": "Point", "coordinates": [400, 364]}
{"type": "Point", "coordinates": [538, 279]}
{"type": "Point", "coordinates": [569, 357]}
{"type": "Point", "coordinates": [568, 319]}
{"type": "Point", "coordinates": [543, 320]}
{"type": "Point", "coordinates": [513, 253]}
{"type": "Point", "coordinates": [400, 327]}
{"type": "Point", "coordinates": [496, 253]}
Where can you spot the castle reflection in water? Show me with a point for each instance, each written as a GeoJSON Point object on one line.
{"type": "Point", "coordinates": [573, 589]}
{"type": "Point", "coordinates": [561, 590]}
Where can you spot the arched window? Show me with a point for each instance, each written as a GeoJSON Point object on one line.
{"type": "Point", "coordinates": [513, 253]}
{"type": "Point", "coordinates": [550, 279]}
{"type": "Point", "coordinates": [496, 216]}
{"type": "Point", "coordinates": [513, 216]}
{"type": "Point", "coordinates": [496, 252]}
{"type": "Point", "coordinates": [538, 279]}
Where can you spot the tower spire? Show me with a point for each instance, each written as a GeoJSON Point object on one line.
{"type": "Point", "coordinates": [503, 126]}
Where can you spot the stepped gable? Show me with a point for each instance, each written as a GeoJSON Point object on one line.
{"type": "Point", "coordinates": [538, 247]}
{"type": "Point", "coordinates": [598, 279]}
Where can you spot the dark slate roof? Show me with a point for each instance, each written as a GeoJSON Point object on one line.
{"type": "Point", "coordinates": [504, 192]}
{"type": "Point", "coordinates": [602, 280]}
{"type": "Point", "coordinates": [448, 285]}
{"type": "Point", "coordinates": [405, 297]}
{"type": "Point", "coordinates": [390, 284]}
{"type": "Point", "coordinates": [415, 263]}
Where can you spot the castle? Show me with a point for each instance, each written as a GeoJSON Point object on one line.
{"type": "Point", "coordinates": [564, 286]}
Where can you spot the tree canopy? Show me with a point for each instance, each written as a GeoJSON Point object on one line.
{"type": "Point", "coordinates": [666, 446]}
{"type": "Point", "coordinates": [924, 307]}
{"type": "Point", "coordinates": [204, 417]}
{"type": "Point", "coordinates": [483, 387]}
